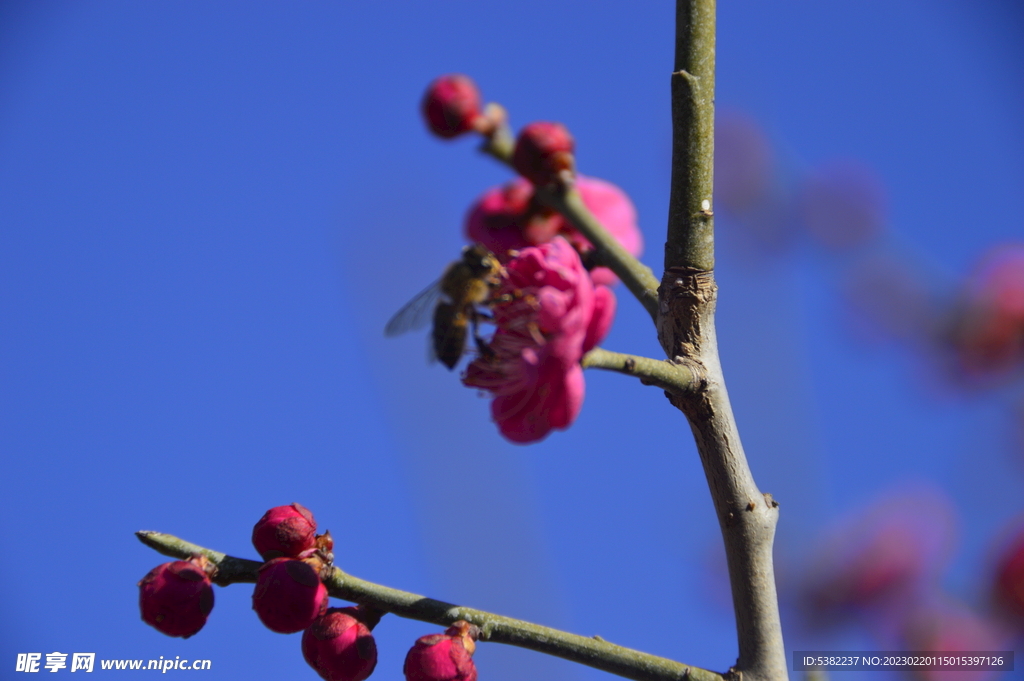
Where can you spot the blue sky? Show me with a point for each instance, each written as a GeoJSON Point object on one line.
{"type": "Point", "coordinates": [208, 212]}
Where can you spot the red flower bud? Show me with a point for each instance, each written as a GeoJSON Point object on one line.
{"type": "Point", "coordinates": [284, 531]}
{"type": "Point", "coordinates": [339, 646]}
{"type": "Point", "coordinates": [542, 151]}
{"type": "Point", "coordinates": [451, 105]}
{"type": "Point", "coordinates": [443, 657]}
{"type": "Point", "coordinates": [288, 595]}
{"type": "Point", "coordinates": [176, 598]}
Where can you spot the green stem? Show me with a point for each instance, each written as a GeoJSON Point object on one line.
{"type": "Point", "coordinates": [593, 652]}
{"type": "Point", "coordinates": [691, 236]}
{"type": "Point", "coordinates": [686, 329]}
{"type": "Point", "coordinates": [608, 252]}
{"type": "Point", "coordinates": [677, 378]}
{"type": "Point", "coordinates": [500, 145]}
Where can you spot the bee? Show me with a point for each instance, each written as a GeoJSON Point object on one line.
{"type": "Point", "coordinates": [454, 299]}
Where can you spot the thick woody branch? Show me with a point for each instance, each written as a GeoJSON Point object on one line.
{"type": "Point", "coordinates": [594, 652]}
{"type": "Point", "coordinates": [667, 375]}
{"type": "Point", "coordinates": [746, 517]}
{"type": "Point", "coordinates": [686, 330]}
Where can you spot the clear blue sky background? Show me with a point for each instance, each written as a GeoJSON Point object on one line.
{"type": "Point", "coordinates": [208, 211]}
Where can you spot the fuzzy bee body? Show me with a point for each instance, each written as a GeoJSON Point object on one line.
{"type": "Point", "coordinates": [453, 300]}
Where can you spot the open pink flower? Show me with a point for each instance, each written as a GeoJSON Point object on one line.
{"type": "Point", "coordinates": [505, 218]}
{"type": "Point", "coordinates": [604, 314]}
{"type": "Point", "coordinates": [545, 317]}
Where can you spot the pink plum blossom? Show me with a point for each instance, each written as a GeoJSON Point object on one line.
{"type": "Point", "coordinates": [505, 218]}
{"type": "Point", "coordinates": [604, 314]}
{"type": "Point", "coordinates": [545, 314]}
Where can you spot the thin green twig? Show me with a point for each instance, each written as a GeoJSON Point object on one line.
{"type": "Point", "coordinates": [608, 252]}
{"type": "Point", "coordinates": [677, 378]}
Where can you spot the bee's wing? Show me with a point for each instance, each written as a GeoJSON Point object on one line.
{"type": "Point", "coordinates": [416, 313]}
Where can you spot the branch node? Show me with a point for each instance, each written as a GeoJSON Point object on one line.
{"type": "Point", "coordinates": [685, 75]}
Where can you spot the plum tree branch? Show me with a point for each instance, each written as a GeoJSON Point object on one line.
{"type": "Point", "coordinates": [594, 652]}
{"type": "Point", "coordinates": [686, 329]}
{"type": "Point", "coordinates": [608, 252]}
{"type": "Point", "coordinates": [677, 378]}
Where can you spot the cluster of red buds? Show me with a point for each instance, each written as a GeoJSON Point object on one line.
{"type": "Point", "coordinates": [554, 305]}
{"type": "Point", "coordinates": [543, 150]}
{"type": "Point", "coordinates": [289, 594]}
{"type": "Point", "coordinates": [290, 597]}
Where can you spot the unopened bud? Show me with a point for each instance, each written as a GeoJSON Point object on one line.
{"type": "Point", "coordinates": [451, 105]}
{"type": "Point", "coordinates": [176, 598]}
{"type": "Point", "coordinates": [284, 531]}
{"type": "Point", "coordinates": [288, 595]}
{"type": "Point", "coordinates": [339, 646]}
{"type": "Point", "coordinates": [444, 657]}
{"type": "Point", "coordinates": [543, 150]}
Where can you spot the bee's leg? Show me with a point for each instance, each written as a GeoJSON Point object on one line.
{"type": "Point", "coordinates": [481, 345]}
{"type": "Point", "coordinates": [483, 348]}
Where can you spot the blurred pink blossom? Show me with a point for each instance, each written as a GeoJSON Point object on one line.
{"type": "Point", "coordinates": [506, 218]}
{"type": "Point", "coordinates": [889, 298]}
{"type": "Point", "coordinates": [1008, 580]}
{"type": "Point", "coordinates": [883, 560]}
{"type": "Point", "coordinates": [749, 185]}
{"type": "Point", "coordinates": [744, 163]}
{"type": "Point", "coordinates": [945, 627]}
{"type": "Point", "coordinates": [843, 204]}
{"type": "Point", "coordinates": [545, 314]}
{"type": "Point", "coordinates": [987, 327]}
